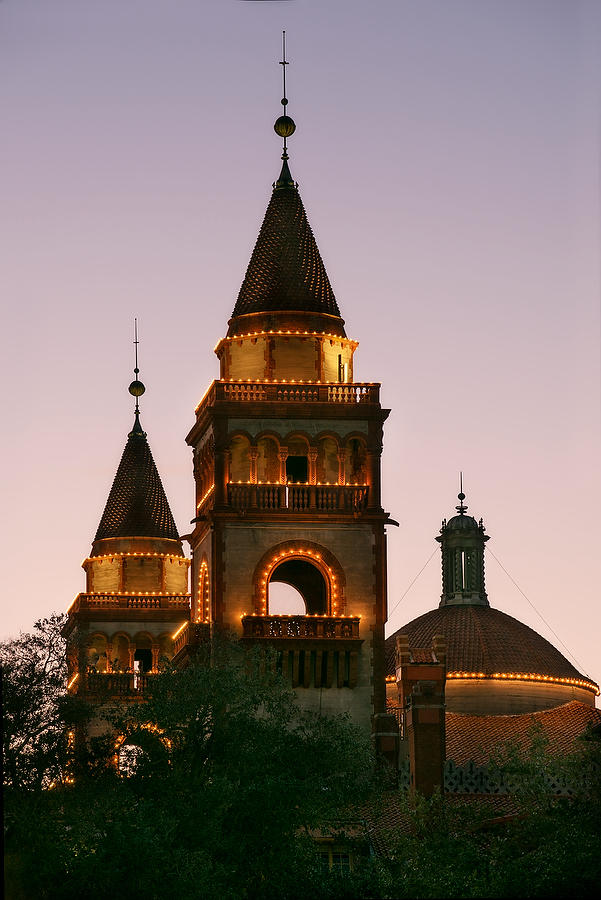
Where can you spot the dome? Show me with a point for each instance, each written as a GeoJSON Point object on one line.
{"type": "Point", "coordinates": [490, 653]}
{"type": "Point", "coordinates": [461, 523]}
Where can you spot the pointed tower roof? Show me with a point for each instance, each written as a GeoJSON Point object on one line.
{"type": "Point", "coordinates": [137, 505]}
{"type": "Point", "coordinates": [286, 274]}
{"type": "Point", "coordinates": [286, 271]}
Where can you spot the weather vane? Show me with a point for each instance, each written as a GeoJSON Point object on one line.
{"type": "Point", "coordinates": [284, 125]}
{"type": "Point", "coordinates": [136, 388]}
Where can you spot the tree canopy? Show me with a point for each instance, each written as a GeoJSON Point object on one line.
{"type": "Point", "coordinates": [220, 786]}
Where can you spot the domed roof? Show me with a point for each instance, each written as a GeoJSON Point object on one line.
{"type": "Point", "coordinates": [484, 640]}
{"type": "Point", "coordinates": [461, 523]}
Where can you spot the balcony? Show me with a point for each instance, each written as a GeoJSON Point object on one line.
{"type": "Point", "coordinates": [310, 651]}
{"type": "Point", "coordinates": [330, 498]}
{"type": "Point", "coordinates": [290, 392]}
{"type": "Point", "coordinates": [304, 628]}
{"type": "Point", "coordinates": [191, 635]}
{"type": "Point", "coordinates": [117, 684]}
{"type": "Point", "coordinates": [110, 600]}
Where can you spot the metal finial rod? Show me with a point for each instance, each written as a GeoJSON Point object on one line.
{"type": "Point", "coordinates": [284, 126]}
{"type": "Point", "coordinates": [283, 64]}
{"type": "Point", "coordinates": [461, 496]}
{"type": "Point", "coordinates": [136, 388]}
{"type": "Point", "coordinates": [136, 342]}
{"type": "Point", "coordinates": [136, 369]}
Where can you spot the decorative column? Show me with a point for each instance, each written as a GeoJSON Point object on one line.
{"type": "Point", "coordinates": [283, 455]}
{"type": "Point", "coordinates": [341, 464]}
{"type": "Point", "coordinates": [313, 453]}
{"type": "Point", "coordinates": [155, 657]}
{"type": "Point", "coordinates": [253, 454]}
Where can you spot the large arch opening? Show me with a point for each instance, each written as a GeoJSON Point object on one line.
{"type": "Point", "coordinates": [285, 600]}
{"type": "Point", "coordinates": [308, 583]}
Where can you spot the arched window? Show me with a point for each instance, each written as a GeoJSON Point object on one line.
{"type": "Point", "coordinates": [97, 656]}
{"type": "Point", "coordinates": [203, 598]}
{"type": "Point", "coordinates": [327, 461]}
{"type": "Point", "coordinates": [240, 459]}
{"type": "Point", "coordinates": [297, 461]}
{"type": "Point", "coordinates": [143, 654]}
{"type": "Point", "coordinates": [268, 461]}
{"type": "Point", "coordinates": [355, 462]}
{"type": "Point", "coordinates": [120, 653]}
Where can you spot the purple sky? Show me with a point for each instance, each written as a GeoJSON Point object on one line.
{"type": "Point", "coordinates": [448, 157]}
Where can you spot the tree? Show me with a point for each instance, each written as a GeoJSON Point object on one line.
{"type": "Point", "coordinates": [36, 709]}
{"type": "Point", "coordinates": [232, 782]}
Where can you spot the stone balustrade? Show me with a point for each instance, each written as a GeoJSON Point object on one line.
{"type": "Point", "coordinates": [130, 601]}
{"type": "Point", "coordinates": [291, 392]}
{"type": "Point", "coordinates": [117, 684]}
{"type": "Point", "coordinates": [314, 628]}
{"type": "Point", "coordinates": [316, 498]}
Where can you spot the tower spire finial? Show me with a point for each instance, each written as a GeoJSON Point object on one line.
{"type": "Point", "coordinates": [461, 496]}
{"type": "Point", "coordinates": [284, 125]}
{"type": "Point", "coordinates": [136, 388]}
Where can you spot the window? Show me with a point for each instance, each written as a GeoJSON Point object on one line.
{"type": "Point", "coordinates": [297, 469]}
{"type": "Point", "coordinates": [335, 859]}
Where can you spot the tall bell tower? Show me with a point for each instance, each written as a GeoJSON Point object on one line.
{"type": "Point", "coordinates": [287, 448]}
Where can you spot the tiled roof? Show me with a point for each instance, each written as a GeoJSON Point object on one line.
{"type": "Point", "coordinates": [390, 818]}
{"type": "Point", "coordinates": [137, 505]}
{"type": "Point", "coordinates": [483, 639]}
{"type": "Point", "coordinates": [477, 737]}
{"type": "Point", "coordinates": [286, 271]}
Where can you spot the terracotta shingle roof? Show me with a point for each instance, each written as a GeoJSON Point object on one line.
{"type": "Point", "coordinates": [391, 818]}
{"type": "Point", "coordinates": [137, 505]}
{"type": "Point", "coordinates": [286, 271]}
{"type": "Point", "coordinates": [483, 639]}
{"type": "Point", "coordinates": [476, 737]}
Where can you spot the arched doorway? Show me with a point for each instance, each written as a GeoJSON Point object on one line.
{"type": "Point", "coordinates": [308, 582]}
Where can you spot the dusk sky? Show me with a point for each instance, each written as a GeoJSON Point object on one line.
{"type": "Point", "coordinates": [447, 154]}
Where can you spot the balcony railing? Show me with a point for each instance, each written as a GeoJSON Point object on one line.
{"type": "Point", "coordinates": [117, 684]}
{"type": "Point", "coordinates": [192, 635]}
{"type": "Point", "coordinates": [130, 601]}
{"type": "Point", "coordinates": [291, 392]}
{"type": "Point", "coordinates": [311, 628]}
{"type": "Point", "coordinates": [299, 497]}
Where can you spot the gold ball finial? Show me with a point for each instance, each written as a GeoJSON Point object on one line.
{"type": "Point", "coordinates": [284, 126]}
{"type": "Point", "coordinates": [136, 388]}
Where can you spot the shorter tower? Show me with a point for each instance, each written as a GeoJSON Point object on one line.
{"type": "Point", "coordinates": [136, 599]}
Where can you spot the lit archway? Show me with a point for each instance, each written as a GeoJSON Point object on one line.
{"type": "Point", "coordinates": [285, 600]}
{"type": "Point", "coordinates": [313, 570]}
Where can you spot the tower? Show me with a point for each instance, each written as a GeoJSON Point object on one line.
{"type": "Point", "coordinates": [462, 542]}
{"type": "Point", "coordinates": [121, 628]}
{"type": "Point", "coordinates": [286, 447]}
